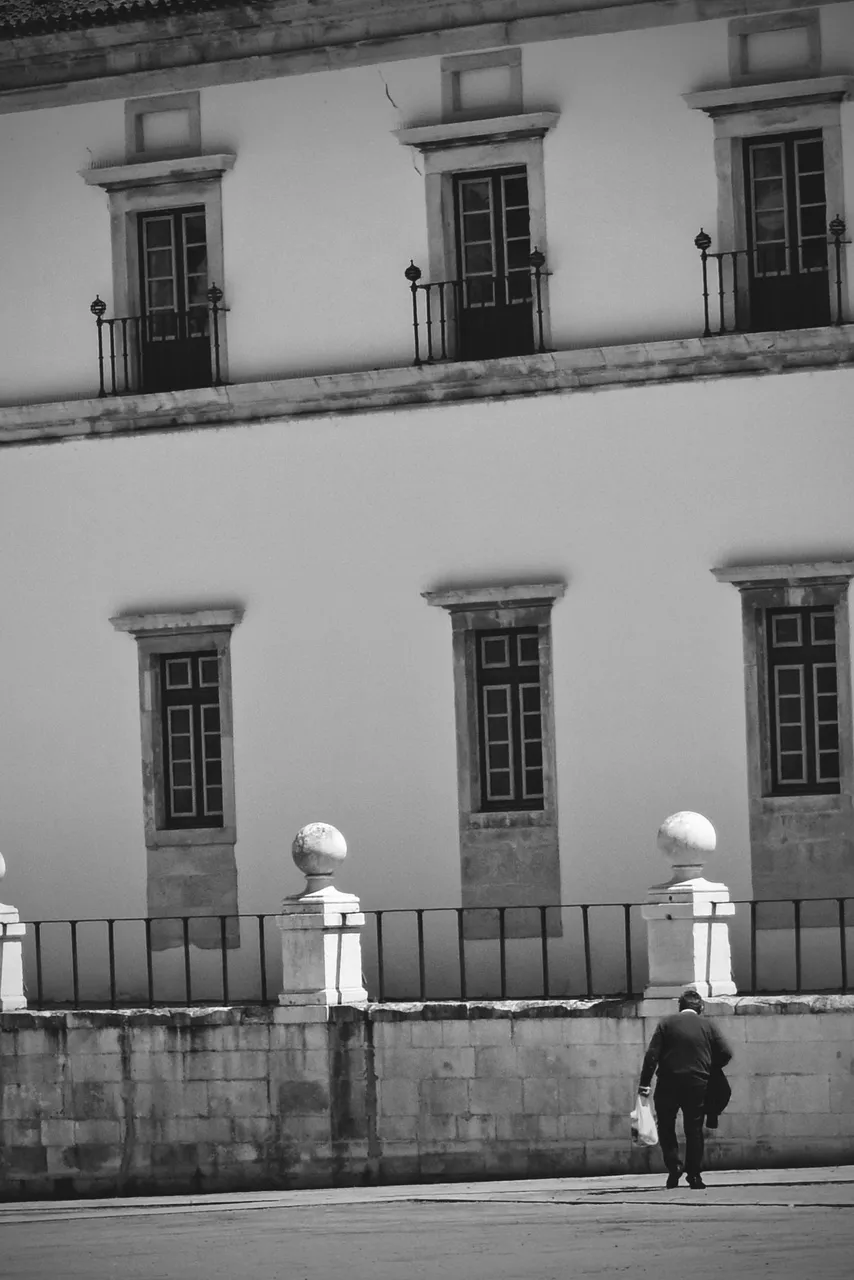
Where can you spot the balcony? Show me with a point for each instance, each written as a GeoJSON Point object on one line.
{"type": "Point", "coordinates": [165, 350]}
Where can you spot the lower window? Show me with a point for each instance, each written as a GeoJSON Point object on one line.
{"type": "Point", "coordinates": [510, 721]}
{"type": "Point", "coordinates": [802, 701]}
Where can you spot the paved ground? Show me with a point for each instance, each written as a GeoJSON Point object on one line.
{"type": "Point", "coordinates": [780, 1224]}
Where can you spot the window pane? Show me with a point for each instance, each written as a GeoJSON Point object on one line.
{"type": "Point", "coordinates": [499, 786]}
{"type": "Point", "coordinates": [158, 233]}
{"type": "Point", "coordinates": [791, 768]}
{"type": "Point", "coordinates": [770, 225]}
{"type": "Point", "coordinates": [182, 804]}
{"type": "Point", "coordinates": [182, 773]}
{"type": "Point", "coordinates": [786, 629]}
{"type": "Point", "coordinates": [213, 772]}
{"type": "Point", "coordinates": [477, 226]}
{"type": "Point", "coordinates": [811, 189]}
{"type": "Point", "coordinates": [813, 222]}
{"type": "Point", "coordinates": [194, 228]}
{"type": "Point", "coordinates": [528, 650]}
{"type": "Point", "coordinates": [213, 800]}
{"type": "Point", "coordinates": [518, 252]}
{"type": "Point", "coordinates": [768, 197]}
{"type": "Point", "coordinates": [496, 702]}
{"type": "Point", "coordinates": [810, 156]}
{"type": "Point", "coordinates": [533, 783]}
{"type": "Point", "coordinates": [789, 680]}
{"type": "Point", "coordinates": [825, 678]}
{"type": "Point", "coordinates": [516, 191]}
{"type": "Point", "coordinates": [499, 756]}
{"type": "Point", "coordinates": [478, 257]}
{"type": "Point", "coordinates": [178, 673]}
{"type": "Point", "coordinates": [767, 161]}
{"type": "Point", "coordinates": [495, 651]}
{"type": "Point", "coordinates": [828, 737]}
{"type": "Point", "coordinates": [518, 223]}
{"type": "Point", "coordinates": [160, 263]}
{"type": "Point", "coordinates": [161, 293]}
{"type": "Point", "coordinates": [208, 672]}
{"type": "Point", "coordinates": [829, 766]}
{"type": "Point", "coordinates": [823, 628]}
{"type": "Point", "coordinates": [475, 196]}
{"type": "Point", "coordinates": [530, 697]}
{"type": "Point", "coordinates": [179, 720]}
{"type": "Point", "coordinates": [790, 711]}
{"type": "Point", "coordinates": [791, 737]}
{"type": "Point", "coordinates": [533, 755]}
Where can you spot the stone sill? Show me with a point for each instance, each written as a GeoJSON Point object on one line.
{"type": "Point", "coordinates": [586, 369]}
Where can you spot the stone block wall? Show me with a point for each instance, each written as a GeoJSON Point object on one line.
{"type": "Point", "coordinates": [100, 1103]}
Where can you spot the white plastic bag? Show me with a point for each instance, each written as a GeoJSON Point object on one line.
{"type": "Point", "coordinates": [644, 1128]}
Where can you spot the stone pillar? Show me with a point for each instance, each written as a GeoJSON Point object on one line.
{"type": "Point", "coordinates": [11, 955]}
{"type": "Point", "coordinates": [688, 917]}
{"type": "Point", "coordinates": [321, 930]}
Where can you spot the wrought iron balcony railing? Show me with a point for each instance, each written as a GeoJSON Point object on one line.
{"type": "Point", "coordinates": [783, 284]}
{"type": "Point", "coordinates": [164, 350]}
{"type": "Point", "coordinates": [479, 317]}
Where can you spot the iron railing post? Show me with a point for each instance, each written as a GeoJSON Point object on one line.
{"type": "Point", "coordinates": [703, 241]}
{"type": "Point", "coordinates": [214, 296]}
{"type": "Point", "coordinates": [262, 958]}
{"type": "Point", "coordinates": [413, 275]}
{"type": "Point", "coordinates": [98, 308]}
{"type": "Point", "coordinates": [149, 963]}
{"type": "Point", "coordinates": [185, 926]}
{"type": "Point", "coordinates": [544, 945]}
{"type": "Point", "coordinates": [538, 261]}
{"type": "Point", "coordinates": [837, 230]}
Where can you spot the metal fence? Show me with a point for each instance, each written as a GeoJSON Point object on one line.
{"type": "Point", "coordinates": [456, 953]}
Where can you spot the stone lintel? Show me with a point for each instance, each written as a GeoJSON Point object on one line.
{"type": "Point", "coordinates": [167, 623]}
{"type": "Point", "coordinates": [466, 133]}
{"type": "Point", "coordinates": [147, 173]}
{"type": "Point", "coordinates": [494, 596]}
{"type": "Point", "coordinates": [785, 574]}
{"type": "Point", "coordinates": [744, 97]}
{"type": "Point", "coordinates": [367, 391]}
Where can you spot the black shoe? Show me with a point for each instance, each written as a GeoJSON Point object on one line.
{"type": "Point", "coordinates": [697, 1184]}
{"type": "Point", "coordinates": [672, 1181]}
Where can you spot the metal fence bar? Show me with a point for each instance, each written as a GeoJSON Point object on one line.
{"type": "Point", "coordinates": [149, 962]}
{"type": "Point", "coordinates": [544, 947]}
{"type": "Point", "coordinates": [461, 945]}
{"type": "Point", "coordinates": [753, 947]}
{"type": "Point", "coordinates": [223, 944]}
{"type": "Point", "coordinates": [627, 925]}
{"type": "Point", "coordinates": [380, 964]}
{"type": "Point", "coordinates": [797, 919]}
{"type": "Point", "coordinates": [111, 950]}
{"type": "Point", "coordinates": [188, 985]}
{"type": "Point", "coordinates": [75, 970]}
{"type": "Point", "coordinates": [843, 946]}
{"type": "Point", "coordinates": [37, 938]}
{"type": "Point", "coordinates": [588, 963]}
{"type": "Point", "coordinates": [262, 957]}
{"type": "Point", "coordinates": [502, 953]}
{"type": "Point", "coordinates": [422, 976]}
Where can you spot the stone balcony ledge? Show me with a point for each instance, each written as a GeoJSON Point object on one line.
{"type": "Point", "coordinates": [587, 369]}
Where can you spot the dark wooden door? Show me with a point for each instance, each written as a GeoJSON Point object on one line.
{"type": "Point", "coordinates": [494, 307]}
{"type": "Point", "coordinates": [174, 338]}
{"type": "Point", "coordinates": [787, 231]}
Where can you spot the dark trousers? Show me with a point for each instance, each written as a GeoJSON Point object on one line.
{"type": "Point", "coordinates": [671, 1097]}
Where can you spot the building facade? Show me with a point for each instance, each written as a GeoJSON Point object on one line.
{"type": "Point", "coordinates": [435, 421]}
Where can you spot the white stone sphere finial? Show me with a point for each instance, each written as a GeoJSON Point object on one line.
{"type": "Point", "coordinates": [318, 851]}
{"type": "Point", "coordinates": [687, 839]}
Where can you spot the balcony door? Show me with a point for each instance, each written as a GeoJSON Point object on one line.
{"type": "Point", "coordinates": [174, 333]}
{"type": "Point", "coordinates": [494, 307]}
{"type": "Point", "coordinates": [787, 231]}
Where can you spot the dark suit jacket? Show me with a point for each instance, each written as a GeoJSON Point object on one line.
{"type": "Point", "coordinates": [718, 1094]}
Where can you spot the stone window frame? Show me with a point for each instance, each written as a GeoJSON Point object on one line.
{"type": "Point", "coordinates": [148, 187]}
{"type": "Point", "coordinates": [739, 29]}
{"type": "Point", "coordinates": [136, 108]}
{"type": "Point", "coordinates": [791, 585]}
{"type": "Point", "coordinates": [765, 109]}
{"type": "Point", "coordinates": [181, 632]}
{"type": "Point", "coordinates": [453, 66]}
{"type": "Point", "coordinates": [474, 609]}
{"type": "Point", "coordinates": [468, 146]}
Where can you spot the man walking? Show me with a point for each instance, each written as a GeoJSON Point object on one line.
{"type": "Point", "coordinates": [684, 1047]}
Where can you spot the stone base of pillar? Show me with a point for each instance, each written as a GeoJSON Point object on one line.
{"type": "Point", "coordinates": [321, 950]}
{"type": "Point", "coordinates": [11, 960]}
{"type": "Point", "coordinates": [688, 939]}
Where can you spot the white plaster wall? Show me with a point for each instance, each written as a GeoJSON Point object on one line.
{"type": "Point", "coordinates": [326, 532]}
{"type": "Point", "coordinates": [324, 208]}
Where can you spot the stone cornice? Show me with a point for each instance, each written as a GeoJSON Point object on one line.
{"type": "Point", "coordinates": [791, 574]}
{"type": "Point", "coordinates": [149, 173]}
{"type": "Point", "coordinates": [748, 97]}
{"type": "Point", "coordinates": [289, 37]}
{"type": "Point", "coordinates": [168, 623]}
{"type": "Point", "coordinates": [465, 133]}
{"type": "Point", "coordinates": [374, 390]}
{"type": "Point", "coordinates": [493, 597]}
